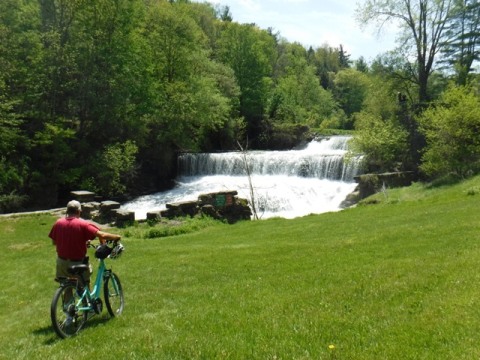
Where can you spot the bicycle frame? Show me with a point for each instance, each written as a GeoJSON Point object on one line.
{"type": "Point", "coordinates": [96, 291]}
{"type": "Point", "coordinates": [74, 303]}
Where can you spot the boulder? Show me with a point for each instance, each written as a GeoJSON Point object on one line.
{"type": "Point", "coordinates": [210, 210]}
{"type": "Point", "coordinates": [87, 210]}
{"type": "Point", "coordinates": [107, 212]}
{"type": "Point", "coordinates": [223, 205]}
{"type": "Point", "coordinates": [154, 215]}
{"type": "Point", "coordinates": [369, 184]}
{"type": "Point", "coordinates": [124, 217]}
{"type": "Point", "coordinates": [107, 206]}
{"type": "Point", "coordinates": [83, 195]}
{"type": "Point", "coordinates": [184, 208]}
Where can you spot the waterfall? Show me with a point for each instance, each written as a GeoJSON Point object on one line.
{"type": "Point", "coordinates": [320, 159]}
{"type": "Point", "coordinates": [287, 184]}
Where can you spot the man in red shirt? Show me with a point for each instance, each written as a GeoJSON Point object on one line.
{"type": "Point", "coordinates": [70, 235]}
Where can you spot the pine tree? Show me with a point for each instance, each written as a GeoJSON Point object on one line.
{"type": "Point", "coordinates": [461, 46]}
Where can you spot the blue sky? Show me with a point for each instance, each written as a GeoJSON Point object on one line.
{"type": "Point", "coordinates": [314, 23]}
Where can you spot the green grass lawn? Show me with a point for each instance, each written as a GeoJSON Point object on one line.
{"type": "Point", "coordinates": [394, 280]}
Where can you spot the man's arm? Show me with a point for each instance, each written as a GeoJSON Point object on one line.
{"type": "Point", "coordinates": [104, 236]}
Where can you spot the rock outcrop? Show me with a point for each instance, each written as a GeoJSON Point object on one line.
{"type": "Point", "coordinates": [369, 184]}
{"type": "Point", "coordinates": [225, 205]}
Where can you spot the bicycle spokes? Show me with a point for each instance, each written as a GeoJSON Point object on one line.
{"type": "Point", "coordinates": [113, 294]}
{"type": "Point", "coordinates": [67, 316]}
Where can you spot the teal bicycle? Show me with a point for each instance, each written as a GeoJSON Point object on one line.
{"type": "Point", "coordinates": [73, 303]}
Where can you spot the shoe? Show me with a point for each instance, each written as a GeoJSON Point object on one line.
{"type": "Point", "coordinates": [68, 324]}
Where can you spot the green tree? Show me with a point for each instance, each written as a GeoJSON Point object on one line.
{"type": "Point", "coordinates": [298, 96]}
{"type": "Point", "coordinates": [250, 52]}
{"type": "Point", "coordinates": [207, 18]}
{"type": "Point", "coordinates": [380, 133]}
{"type": "Point", "coordinates": [350, 90]}
{"type": "Point", "coordinates": [343, 58]}
{"type": "Point", "coordinates": [224, 14]}
{"type": "Point", "coordinates": [192, 94]}
{"type": "Point", "coordinates": [219, 100]}
{"type": "Point", "coordinates": [327, 61]}
{"type": "Point", "coordinates": [381, 98]}
{"type": "Point", "coordinates": [109, 86]}
{"type": "Point", "coordinates": [462, 39]}
{"type": "Point", "coordinates": [451, 128]}
{"type": "Point", "coordinates": [90, 93]}
{"type": "Point", "coordinates": [361, 65]}
{"type": "Point", "coordinates": [114, 169]}
{"type": "Point", "coordinates": [423, 23]}
{"type": "Point", "coordinates": [23, 113]}
{"type": "Point", "coordinates": [58, 63]}
{"type": "Point", "coordinates": [13, 146]}
{"type": "Point", "coordinates": [13, 142]}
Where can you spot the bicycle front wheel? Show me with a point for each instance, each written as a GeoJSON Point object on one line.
{"type": "Point", "coordinates": [113, 293]}
{"type": "Point", "coordinates": [67, 319]}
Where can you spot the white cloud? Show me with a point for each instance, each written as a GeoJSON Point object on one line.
{"type": "Point", "coordinates": [250, 6]}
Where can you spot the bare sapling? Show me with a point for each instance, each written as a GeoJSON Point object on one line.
{"type": "Point", "coordinates": [246, 165]}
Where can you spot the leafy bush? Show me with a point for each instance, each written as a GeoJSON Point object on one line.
{"type": "Point", "coordinates": [12, 203]}
{"type": "Point", "coordinates": [382, 142]}
{"type": "Point", "coordinates": [451, 127]}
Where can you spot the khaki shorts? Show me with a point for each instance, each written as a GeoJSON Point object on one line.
{"type": "Point", "coordinates": [63, 265]}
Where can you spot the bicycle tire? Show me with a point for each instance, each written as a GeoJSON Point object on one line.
{"type": "Point", "coordinates": [67, 320]}
{"type": "Point", "coordinates": [113, 295]}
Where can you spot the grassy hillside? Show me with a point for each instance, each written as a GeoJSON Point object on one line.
{"type": "Point", "coordinates": [393, 280]}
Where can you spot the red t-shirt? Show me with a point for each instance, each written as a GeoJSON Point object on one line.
{"type": "Point", "coordinates": [71, 235]}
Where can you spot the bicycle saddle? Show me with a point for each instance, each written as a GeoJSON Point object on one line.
{"type": "Point", "coordinates": [77, 269]}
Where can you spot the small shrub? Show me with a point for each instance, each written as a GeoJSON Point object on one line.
{"type": "Point", "coordinates": [12, 203]}
{"type": "Point", "coordinates": [166, 227]}
{"type": "Point", "coordinates": [473, 191]}
{"type": "Point", "coordinates": [157, 233]}
{"type": "Point", "coordinates": [369, 201]}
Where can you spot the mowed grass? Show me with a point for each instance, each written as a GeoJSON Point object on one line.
{"type": "Point", "coordinates": [395, 280]}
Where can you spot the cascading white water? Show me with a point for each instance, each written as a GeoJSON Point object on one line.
{"type": "Point", "coordinates": [321, 160]}
{"type": "Point", "coordinates": [286, 184]}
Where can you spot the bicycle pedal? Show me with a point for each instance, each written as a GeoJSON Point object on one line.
{"type": "Point", "coordinates": [97, 306]}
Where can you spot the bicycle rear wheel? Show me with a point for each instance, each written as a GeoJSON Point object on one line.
{"type": "Point", "coordinates": [113, 293]}
{"type": "Point", "coordinates": [67, 320]}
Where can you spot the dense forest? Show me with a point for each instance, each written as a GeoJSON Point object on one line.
{"type": "Point", "coordinates": [103, 94]}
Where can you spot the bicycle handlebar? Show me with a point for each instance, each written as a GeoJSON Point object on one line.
{"type": "Point", "coordinates": [89, 243]}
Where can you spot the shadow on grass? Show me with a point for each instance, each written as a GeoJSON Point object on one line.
{"type": "Point", "coordinates": [446, 180]}
{"type": "Point", "coordinates": [52, 337]}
